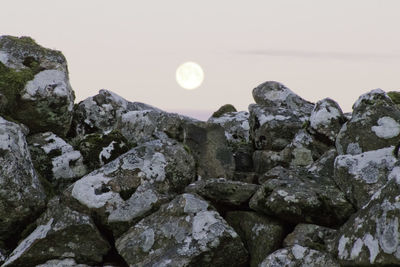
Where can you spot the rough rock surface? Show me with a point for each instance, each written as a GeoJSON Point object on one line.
{"type": "Point", "coordinates": [327, 118]}
{"type": "Point", "coordinates": [131, 186]}
{"type": "Point", "coordinates": [360, 176]}
{"type": "Point", "coordinates": [35, 85]}
{"type": "Point", "coordinates": [375, 124]}
{"type": "Point", "coordinates": [253, 228]}
{"type": "Point", "coordinates": [60, 232]}
{"type": "Point", "coordinates": [223, 191]}
{"type": "Point", "coordinates": [310, 235]}
{"type": "Point", "coordinates": [371, 236]}
{"type": "Point", "coordinates": [299, 256]}
{"type": "Point", "coordinates": [184, 232]}
{"type": "Point", "coordinates": [21, 194]}
{"type": "Point", "coordinates": [56, 160]}
{"type": "Point", "coordinates": [300, 197]}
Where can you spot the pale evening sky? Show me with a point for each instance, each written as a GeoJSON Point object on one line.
{"type": "Point", "coordinates": [338, 49]}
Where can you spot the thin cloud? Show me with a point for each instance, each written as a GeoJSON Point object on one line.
{"type": "Point", "coordinates": [320, 54]}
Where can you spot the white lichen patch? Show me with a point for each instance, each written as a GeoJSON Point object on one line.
{"type": "Point", "coordinates": [257, 228]}
{"type": "Point", "coordinates": [47, 83]}
{"type": "Point", "coordinates": [148, 239]}
{"type": "Point", "coordinates": [89, 191]}
{"type": "Point", "coordinates": [106, 152]}
{"type": "Point", "coordinates": [357, 247]}
{"type": "Point", "coordinates": [236, 125]}
{"type": "Point", "coordinates": [342, 251]}
{"type": "Point", "coordinates": [267, 118]}
{"type": "Point", "coordinates": [298, 251]}
{"type": "Point", "coordinates": [367, 166]}
{"type": "Point", "coordinates": [4, 58]}
{"type": "Point", "coordinates": [373, 247]}
{"type": "Point", "coordinates": [278, 95]}
{"type": "Point", "coordinates": [387, 128]}
{"type": "Point", "coordinates": [39, 233]}
{"type": "Point", "coordinates": [369, 96]}
{"type": "Point", "coordinates": [322, 116]}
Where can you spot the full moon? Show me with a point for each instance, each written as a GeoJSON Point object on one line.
{"type": "Point", "coordinates": [189, 75]}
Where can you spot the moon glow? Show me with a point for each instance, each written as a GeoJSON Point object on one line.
{"type": "Point", "coordinates": [189, 75]}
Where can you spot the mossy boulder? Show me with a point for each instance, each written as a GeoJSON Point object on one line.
{"type": "Point", "coordinates": [34, 85]}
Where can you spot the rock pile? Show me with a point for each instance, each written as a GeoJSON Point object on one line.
{"type": "Point", "coordinates": [109, 182]}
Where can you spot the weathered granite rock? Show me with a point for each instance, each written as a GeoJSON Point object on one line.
{"type": "Point", "coordinates": [102, 112]}
{"type": "Point", "coordinates": [299, 256]}
{"type": "Point", "coordinates": [235, 124]}
{"type": "Point", "coordinates": [274, 173]}
{"type": "Point", "coordinates": [324, 166]}
{"type": "Point", "coordinates": [375, 124]}
{"type": "Point", "coordinates": [371, 236]}
{"type": "Point", "coordinates": [35, 85]}
{"type": "Point", "coordinates": [55, 159]}
{"type": "Point", "coordinates": [261, 235]}
{"type": "Point", "coordinates": [184, 232]}
{"type": "Point", "coordinates": [265, 160]}
{"type": "Point", "coordinates": [223, 191]}
{"type": "Point", "coordinates": [327, 118]}
{"type": "Point", "coordinates": [209, 146]}
{"type": "Point", "coordinates": [273, 128]}
{"type": "Point", "coordinates": [133, 185]}
{"type": "Point", "coordinates": [21, 194]}
{"type": "Point", "coordinates": [360, 176]}
{"type": "Point", "coordinates": [275, 94]}
{"type": "Point", "coordinates": [60, 232]}
{"type": "Point", "coordinates": [300, 197]}
{"type": "Point", "coordinates": [311, 236]}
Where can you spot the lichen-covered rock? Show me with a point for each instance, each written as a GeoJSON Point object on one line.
{"type": "Point", "coordinates": [56, 160]}
{"type": "Point", "coordinates": [60, 232]}
{"type": "Point", "coordinates": [371, 236]}
{"type": "Point", "coordinates": [375, 124]}
{"type": "Point", "coordinates": [133, 185]}
{"type": "Point", "coordinates": [62, 263]}
{"type": "Point", "coordinates": [35, 84]}
{"type": "Point", "coordinates": [21, 194]}
{"type": "Point", "coordinates": [102, 112]}
{"type": "Point", "coordinates": [99, 149]}
{"type": "Point", "coordinates": [311, 236]}
{"type": "Point", "coordinates": [299, 256]}
{"type": "Point", "coordinates": [300, 197]}
{"type": "Point", "coordinates": [223, 191]}
{"type": "Point", "coordinates": [184, 232]}
{"type": "Point", "coordinates": [265, 160]}
{"type": "Point", "coordinates": [274, 173]}
{"type": "Point", "coordinates": [235, 124]}
{"type": "Point", "coordinates": [327, 118]}
{"type": "Point", "coordinates": [360, 176]}
{"type": "Point", "coordinates": [324, 166]}
{"type": "Point", "coordinates": [273, 128]}
{"type": "Point", "coordinates": [261, 235]}
{"type": "Point", "coordinates": [275, 94]}
{"type": "Point", "coordinates": [209, 146]}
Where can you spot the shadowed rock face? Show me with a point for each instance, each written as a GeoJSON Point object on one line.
{"type": "Point", "coordinates": [287, 183]}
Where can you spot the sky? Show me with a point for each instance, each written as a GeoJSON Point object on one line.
{"type": "Point", "coordinates": [338, 49]}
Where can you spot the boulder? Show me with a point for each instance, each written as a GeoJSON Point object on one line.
{"type": "Point", "coordinates": [60, 232]}
{"type": "Point", "coordinates": [375, 124]}
{"type": "Point", "coordinates": [273, 128]}
{"type": "Point", "coordinates": [223, 110]}
{"type": "Point", "coordinates": [324, 166]}
{"type": "Point", "coordinates": [236, 126]}
{"type": "Point", "coordinates": [130, 187]}
{"type": "Point", "coordinates": [62, 263]}
{"type": "Point", "coordinates": [209, 146]}
{"type": "Point", "coordinates": [222, 191]}
{"type": "Point", "coordinates": [56, 160]}
{"type": "Point", "coordinates": [360, 176]}
{"type": "Point", "coordinates": [302, 198]}
{"type": "Point", "coordinates": [327, 119]}
{"type": "Point", "coordinates": [310, 235]}
{"type": "Point", "coordinates": [22, 195]}
{"type": "Point", "coordinates": [253, 229]}
{"type": "Point", "coordinates": [275, 94]}
{"type": "Point", "coordinates": [371, 236]}
{"type": "Point", "coordinates": [299, 256]}
{"type": "Point", "coordinates": [266, 160]}
{"type": "Point", "coordinates": [184, 232]}
{"type": "Point", "coordinates": [35, 85]}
